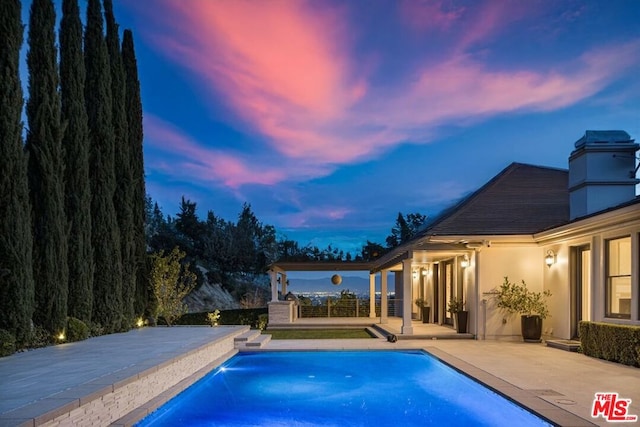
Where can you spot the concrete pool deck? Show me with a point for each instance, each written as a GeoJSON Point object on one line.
{"type": "Point", "coordinates": [34, 382]}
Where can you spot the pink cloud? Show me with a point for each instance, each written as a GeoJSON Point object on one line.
{"type": "Point", "coordinates": [425, 15]}
{"type": "Point", "coordinates": [315, 215]}
{"type": "Point", "coordinates": [463, 90]}
{"type": "Point", "coordinates": [288, 70]}
{"type": "Point", "coordinates": [194, 161]}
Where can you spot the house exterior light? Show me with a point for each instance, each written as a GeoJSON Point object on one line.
{"type": "Point", "coordinates": [465, 262]}
{"type": "Point", "coordinates": [550, 259]}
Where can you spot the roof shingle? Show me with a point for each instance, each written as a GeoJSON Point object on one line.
{"type": "Point", "coordinates": [522, 199]}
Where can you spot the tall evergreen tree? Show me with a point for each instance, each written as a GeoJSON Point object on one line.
{"type": "Point", "coordinates": [134, 114]}
{"type": "Point", "coordinates": [123, 198]}
{"type": "Point", "coordinates": [46, 171]}
{"type": "Point", "coordinates": [105, 234]}
{"type": "Point", "coordinates": [76, 144]}
{"type": "Point", "coordinates": [16, 268]}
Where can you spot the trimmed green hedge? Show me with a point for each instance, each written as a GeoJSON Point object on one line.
{"type": "Point", "coordinates": [249, 316]}
{"type": "Point", "coordinates": [616, 343]}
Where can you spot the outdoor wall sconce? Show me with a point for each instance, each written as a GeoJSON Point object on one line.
{"type": "Point", "coordinates": [465, 262]}
{"type": "Point", "coordinates": [425, 271]}
{"type": "Point", "coordinates": [550, 259]}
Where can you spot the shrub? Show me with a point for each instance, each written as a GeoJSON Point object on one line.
{"type": "Point", "coordinates": [7, 343]}
{"type": "Point", "coordinates": [40, 337]}
{"type": "Point", "coordinates": [214, 318]}
{"type": "Point", "coordinates": [77, 330]}
{"type": "Point", "coordinates": [263, 321]}
{"type": "Point", "coordinates": [517, 298]}
{"type": "Point", "coordinates": [248, 316]}
{"type": "Point", "coordinates": [96, 329]}
{"type": "Point", "coordinates": [616, 343]}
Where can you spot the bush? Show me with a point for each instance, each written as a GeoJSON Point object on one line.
{"type": "Point", "coordinates": [77, 330]}
{"type": "Point", "coordinates": [248, 316]}
{"type": "Point", "coordinates": [40, 337]}
{"type": "Point", "coordinates": [263, 321]}
{"type": "Point", "coordinates": [7, 343]}
{"type": "Point", "coordinates": [616, 343]}
{"type": "Point", "coordinates": [96, 329]}
{"type": "Point", "coordinates": [517, 298]}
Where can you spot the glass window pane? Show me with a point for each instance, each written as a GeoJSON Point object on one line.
{"type": "Point", "coordinates": [618, 292]}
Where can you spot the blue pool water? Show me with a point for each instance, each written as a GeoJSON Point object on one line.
{"type": "Point", "coordinates": [338, 388]}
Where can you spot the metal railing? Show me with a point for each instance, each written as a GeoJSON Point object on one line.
{"type": "Point", "coordinates": [346, 308]}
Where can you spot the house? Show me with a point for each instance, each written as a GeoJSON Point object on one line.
{"type": "Point", "coordinates": [574, 232]}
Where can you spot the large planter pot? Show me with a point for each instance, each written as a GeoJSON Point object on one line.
{"type": "Point", "coordinates": [460, 321]}
{"type": "Point", "coordinates": [426, 313]}
{"type": "Point", "coordinates": [531, 328]}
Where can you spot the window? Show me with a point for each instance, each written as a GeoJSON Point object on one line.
{"type": "Point", "coordinates": [618, 284]}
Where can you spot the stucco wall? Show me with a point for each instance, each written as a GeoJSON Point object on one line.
{"type": "Point", "coordinates": [517, 263]}
{"type": "Point", "coordinates": [557, 280]}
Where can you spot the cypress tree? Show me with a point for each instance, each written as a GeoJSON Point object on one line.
{"type": "Point", "coordinates": [16, 268]}
{"type": "Point", "coordinates": [76, 144]}
{"type": "Point", "coordinates": [46, 171]}
{"type": "Point", "coordinates": [123, 198]}
{"type": "Point", "coordinates": [105, 235]}
{"type": "Point", "coordinates": [135, 135]}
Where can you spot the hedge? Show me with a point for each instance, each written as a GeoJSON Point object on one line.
{"type": "Point", "coordinates": [249, 316]}
{"type": "Point", "coordinates": [615, 343]}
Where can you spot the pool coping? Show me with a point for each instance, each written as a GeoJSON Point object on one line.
{"type": "Point", "coordinates": [525, 398]}
{"type": "Point", "coordinates": [528, 400]}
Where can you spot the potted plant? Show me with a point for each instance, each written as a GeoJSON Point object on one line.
{"type": "Point", "coordinates": [532, 307]}
{"type": "Point", "coordinates": [460, 315]}
{"type": "Point", "coordinates": [426, 309]}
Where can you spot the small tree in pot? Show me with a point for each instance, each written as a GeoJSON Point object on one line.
{"type": "Point", "coordinates": [532, 306]}
{"type": "Point", "coordinates": [460, 315]}
{"type": "Point", "coordinates": [426, 309]}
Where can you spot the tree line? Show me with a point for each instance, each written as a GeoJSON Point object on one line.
{"type": "Point", "coordinates": [225, 248]}
{"type": "Point", "coordinates": [75, 223]}
{"type": "Point", "coordinates": [72, 238]}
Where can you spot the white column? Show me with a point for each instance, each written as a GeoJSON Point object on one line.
{"type": "Point", "coordinates": [283, 277]}
{"type": "Point", "coordinates": [384, 302]}
{"type": "Point", "coordinates": [274, 285]}
{"type": "Point", "coordinates": [407, 297]}
{"type": "Point", "coordinates": [372, 295]}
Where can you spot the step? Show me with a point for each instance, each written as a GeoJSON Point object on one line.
{"type": "Point", "coordinates": [567, 345]}
{"type": "Point", "coordinates": [259, 341]}
{"type": "Point", "coordinates": [247, 336]}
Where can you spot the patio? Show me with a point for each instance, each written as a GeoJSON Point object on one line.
{"type": "Point", "coordinates": [545, 379]}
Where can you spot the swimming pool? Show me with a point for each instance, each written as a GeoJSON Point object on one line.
{"type": "Point", "coordinates": [338, 388]}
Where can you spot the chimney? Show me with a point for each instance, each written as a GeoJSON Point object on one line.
{"type": "Point", "coordinates": [602, 172]}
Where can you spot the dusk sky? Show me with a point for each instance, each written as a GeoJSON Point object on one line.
{"type": "Point", "coordinates": [330, 117]}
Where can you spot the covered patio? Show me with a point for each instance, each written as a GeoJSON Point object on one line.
{"type": "Point", "coordinates": [434, 272]}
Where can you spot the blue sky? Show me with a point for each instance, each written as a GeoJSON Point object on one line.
{"type": "Point", "coordinates": [330, 117]}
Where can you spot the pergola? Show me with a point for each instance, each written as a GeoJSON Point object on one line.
{"type": "Point", "coordinates": [282, 311]}
{"type": "Point", "coordinates": [419, 255]}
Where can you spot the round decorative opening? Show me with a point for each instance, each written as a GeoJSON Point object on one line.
{"type": "Point", "coordinates": [336, 279]}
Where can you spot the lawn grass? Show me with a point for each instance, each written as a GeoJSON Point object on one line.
{"type": "Point", "coordinates": [316, 334]}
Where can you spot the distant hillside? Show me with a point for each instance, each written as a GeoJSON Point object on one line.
{"type": "Point", "coordinates": [359, 285]}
